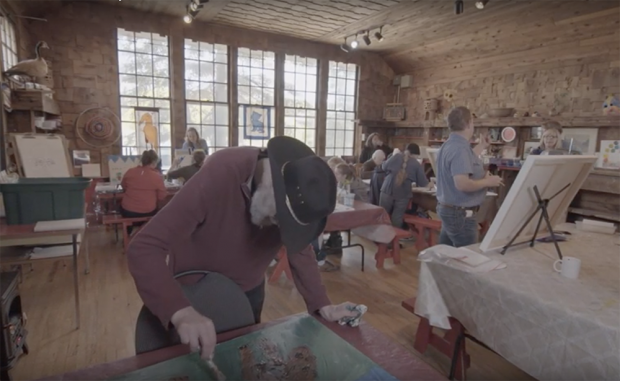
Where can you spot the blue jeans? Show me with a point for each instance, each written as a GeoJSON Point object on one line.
{"type": "Point", "coordinates": [395, 207]}
{"type": "Point", "coordinates": [456, 229]}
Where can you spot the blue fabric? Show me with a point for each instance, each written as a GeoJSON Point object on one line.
{"type": "Point", "coordinates": [377, 374]}
{"type": "Point", "coordinates": [456, 157]}
{"type": "Point", "coordinates": [456, 229]}
{"type": "Point", "coordinates": [414, 174]}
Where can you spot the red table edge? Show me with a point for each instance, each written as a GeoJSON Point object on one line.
{"type": "Point", "coordinates": [391, 356]}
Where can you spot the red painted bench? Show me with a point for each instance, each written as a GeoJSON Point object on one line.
{"type": "Point", "coordinates": [446, 344]}
{"type": "Point", "coordinates": [392, 249]}
{"type": "Point", "coordinates": [419, 226]}
{"type": "Point", "coordinates": [117, 219]}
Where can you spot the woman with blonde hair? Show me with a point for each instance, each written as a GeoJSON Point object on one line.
{"type": "Point", "coordinates": [345, 175]}
{"type": "Point", "coordinates": [551, 141]}
{"type": "Point", "coordinates": [374, 143]}
{"type": "Point", "coordinates": [193, 141]}
{"type": "Point", "coordinates": [402, 170]}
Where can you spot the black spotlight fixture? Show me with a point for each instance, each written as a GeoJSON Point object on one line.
{"type": "Point", "coordinates": [344, 46]}
{"type": "Point", "coordinates": [481, 4]}
{"type": "Point", "coordinates": [378, 35]}
{"type": "Point", "coordinates": [367, 38]}
{"type": "Point", "coordinates": [193, 7]}
{"type": "Point", "coordinates": [458, 7]}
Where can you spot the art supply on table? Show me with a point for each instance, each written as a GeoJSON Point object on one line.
{"type": "Point", "coordinates": [349, 198]}
{"type": "Point", "coordinates": [354, 321]}
{"type": "Point", "coordinates": [568, 267]}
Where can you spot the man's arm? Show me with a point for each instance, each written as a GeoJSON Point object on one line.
{"type": "Point", "coordinates": [393, 164]}
{"type": "Point", "coordinates": [420, 176]}
{"type": "Point", "coordinates": [308, 279]}
{"type": "Point", "coordinates": [147, 252]}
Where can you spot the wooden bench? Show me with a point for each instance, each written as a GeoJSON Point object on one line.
{"type": "Point", "coordinates": [419, 226]}
{"type": "Point", "coordinates": [446, 345]}
{"type": "Point", "coordinates": [281, 267]}
{"type": "Point", "coordinates": [392, 249]}
{"type": "Point", "coordinates": [117, 219]}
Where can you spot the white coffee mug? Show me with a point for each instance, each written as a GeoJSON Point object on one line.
{"type": "Point", "coordinates": [569, 267]}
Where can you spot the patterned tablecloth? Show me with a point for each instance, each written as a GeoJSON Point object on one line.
{"type": "Point", "coordinates": [551, 327]}
{"type": "Point", "coordinates": [365, 220]}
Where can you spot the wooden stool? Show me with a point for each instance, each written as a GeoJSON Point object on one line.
{"type": "Point", "coordinates": [419, 226]}
{"type": "Point", "coordinates": [392, 249]}
{"type": "Point", "coordinates": [281, 267]}
{"type": "Point", "coordinates": [117, 219]}
{"type": "Point", "coordinates": [446, 344]}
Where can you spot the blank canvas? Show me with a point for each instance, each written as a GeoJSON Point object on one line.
{"type": "Point", "coordinates": [43, 155]}
{"type": "Point", "coordinates": [549, 174]}
{"type": "Point", "coordinates": [432, 157]}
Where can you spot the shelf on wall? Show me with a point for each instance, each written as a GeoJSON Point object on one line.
{"type": "Point", "coordinates": [577, 121]}
{"type": "Point", "coordinates": [33, 100]}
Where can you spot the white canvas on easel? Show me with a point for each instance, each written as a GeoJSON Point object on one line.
{"type": "Point", "coordinates": [43, 155]}
{"type": "Point", "coordinates": [549, 174]}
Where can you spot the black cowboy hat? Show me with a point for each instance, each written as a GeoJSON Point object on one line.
{"type": "Point", "coordinates": [305, 191]}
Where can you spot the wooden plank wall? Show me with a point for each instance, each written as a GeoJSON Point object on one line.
{"type": "Point", "coordinates": [82, 36]}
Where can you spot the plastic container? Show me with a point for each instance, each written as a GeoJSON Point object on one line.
{"type": "Point", "coordinates": [31, 200]}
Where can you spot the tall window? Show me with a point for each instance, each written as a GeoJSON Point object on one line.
{"type": "Point", "coordinates": [144, 81]}
{"type": "Point", "coordinates": [341, 105]}
{"type": "Point", "coordinates": [256, 88]}
{"type": "Point", "coordinates": [9, 43]}
{"type": "Point", "coordinates": [206, 91]}
{"type": "Point", "coordinates": [300, 79]}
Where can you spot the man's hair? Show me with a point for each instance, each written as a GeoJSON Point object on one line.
{"type": "Point", "coordinates": [378, 153]}
{"type": "Point", "coordinates": [551, 124]}
{"type": "Point", "coordinates": [148, 157]}
{"type": "Point", "coordinates": [199, 157]}
{"type": "Point", "coordinates": [459, 118]}
{"type": "Point", "coordinates": [413, 148]}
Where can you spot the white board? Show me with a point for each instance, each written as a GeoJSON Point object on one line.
{"type": "Point", "coordinates": [43, 155]}
{"type": "Point", "coordinates": [549, 174]}
{"type": "Point", "coordinates": [432, 157]}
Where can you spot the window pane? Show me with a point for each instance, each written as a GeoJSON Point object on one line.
{"type": "Point", "coordinates": [221, 92]}
{"type": "Point", "coordinates": [144, 64]}
{"type": "Point", "coordinates": [206, 91]}
{"type": "Point", "coordinates": [221, 73]}
{"type": "Point", "coordinates": [192, 90]}
{"type": "Point", "coordinates": [341, 108]}
{"type": "Point", "coordinates": [126, 63]}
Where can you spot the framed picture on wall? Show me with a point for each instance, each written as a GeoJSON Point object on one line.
{"type": "Point", "coordinates": [80, 157]}
{"type": "Point", "coordinates": [256, 122]}
{"type": "Point", "coordinates": [583, 139]}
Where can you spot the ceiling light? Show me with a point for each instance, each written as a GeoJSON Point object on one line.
{"type": "Point", "coordinates": [344, 46]}
{"type": "Point", "coordinates": [193, 6]}
{"type": "Point", "coordinates": [354, 44]}
{"type": "Point", "coordinates": [378, 35]}
{"type": "Point", "coordinates": [188, 19]}
{"type": "Point", "coordinates": [458, 7]}
{"type": "Point", "coordinates": [367, 38]}
{"type": "Point", "coordinates": [481, 4]}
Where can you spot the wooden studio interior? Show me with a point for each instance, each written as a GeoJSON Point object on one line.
{"type": "Point", "coordinates": [469, 230]}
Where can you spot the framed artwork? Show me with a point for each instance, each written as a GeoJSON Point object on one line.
{"type": "Point", "coordinates": [584, 139]}
{"type": "Point", "coordinates": [394, 112]}
{"type": "Point", "coordinates": [80, 157]}
{"type": "Point", "coordinates": [256, 122]}
{"type": "Point", "coordinates": [609, 157]}
{"type": "Point", "coordinates": [528, 147]}
{"type": "Point", "coordinates": [147, 128]}
{"type": "Point", "coordinates": [551, 175]}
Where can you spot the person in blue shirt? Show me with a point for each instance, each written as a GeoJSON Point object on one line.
{"type": "Point", "coordinates": [462, 181]}
{"type": "Point", "coordinates": [193, 141]}
{"type": "Point", "coordinates": [402, 170]}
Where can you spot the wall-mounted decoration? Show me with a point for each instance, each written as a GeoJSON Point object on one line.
{"type": "Point", "coordinates": [256, 122]}
{"type": "Point", "coordinates": [394, 112]}
{"type": "Point", "coordinates": [611, 106]}
{"type": "Point", "coordinates": [148, 127]}
{"type": "Point", "coordinates": [118, 165]}
{"type": "Point", "coordinates": [509, 134]}
{"type": "Point", "coordinates": [609, 157]}
{"type": "Point", "coordinates": [80, 157]}
{"type": "Point", "coordinates": [584, 139]}
{"type": "Point", "coordinates": [430, 109]}
{"type": "Point", "coordinates": [98, 127]}
{"type": "Point", "coordinates": [449, 95]}
{"type": "Point", "coordinates": [494, 134]}
{"type": "Point", "coordinates": [528, 147]}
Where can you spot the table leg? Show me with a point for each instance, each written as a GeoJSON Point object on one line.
{"type": "Point", "coordinates": [75, 281]}
{"type": "Point", "coordinates": [87, 252]}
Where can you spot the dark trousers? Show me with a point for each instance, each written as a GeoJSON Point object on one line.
{"type": "Point", "coordinates": [130, 214]}
{"type": "Point", "coordinates": [256, 296]}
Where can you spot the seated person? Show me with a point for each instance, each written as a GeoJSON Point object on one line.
{"type": "Point", "coordinates": [346, 176]}
{"type": "Point", "coordinates": [143, 187]}
{"type": "Point", "coordinates": [551, 141]}
{"type": "Point", "coordinates": [186, 173]}
{"type": "Point", "coordinates": [334, 242]}
{"type": "Point", "coordinates": [368, 168]}
{"type": "Point", "coordinates": [376, 181]}
{"type": "Point", "coordinates": [402, 170]}
{"type": "Point", "coordinates": [193, 141]}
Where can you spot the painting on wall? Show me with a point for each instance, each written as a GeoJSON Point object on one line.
{"type": "Point", "coordinates": [256, 122]}
{"type": "Point", "coordinates": [583, 139]}
{"type": "Point", "coordinates": [147, 128]}
{"type": "Point", "coordinates": [528, 147]}
{"type": "Point", "coordinates": [609, 157]}
{"type": "Point", "coordinates": [80, 158]}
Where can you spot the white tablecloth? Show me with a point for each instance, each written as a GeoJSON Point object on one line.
{"type": "Point", "coordinates": [551, 327]}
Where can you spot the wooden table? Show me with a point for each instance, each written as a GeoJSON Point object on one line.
{"type": "Point", "coordinates": [391, 356]}
{"type": "Point", "coordinates": [16, 236]}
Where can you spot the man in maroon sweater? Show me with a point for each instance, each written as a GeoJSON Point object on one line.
{"type": "Point", "coordinates": [231, 218]}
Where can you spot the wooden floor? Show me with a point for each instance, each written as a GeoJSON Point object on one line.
{"type": "Point", "coordinates": [110, 305]}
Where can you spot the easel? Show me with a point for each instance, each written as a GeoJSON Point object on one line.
{"type": "Point", "coordinates": [542, 206]}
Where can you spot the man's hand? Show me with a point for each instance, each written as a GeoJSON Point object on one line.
{"type": "Point", "coordinates": [492, 181]}
{"type": "Point", "coordinates": [196, 330]}
{"type": "Point", "coordinates": [335, 313]}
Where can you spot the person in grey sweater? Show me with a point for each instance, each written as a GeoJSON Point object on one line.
{"type": "Point", "coordinates": [402, 170]}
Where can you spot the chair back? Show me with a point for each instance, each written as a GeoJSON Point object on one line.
{"type": "Point", "coordinates": [214, 296]}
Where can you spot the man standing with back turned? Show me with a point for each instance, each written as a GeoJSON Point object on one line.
{"type": "Point", "coordinates": [462, 181]}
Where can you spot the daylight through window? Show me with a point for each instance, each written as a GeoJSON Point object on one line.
{"type": "Point", "coordinates": [9, 43]}
{"type": "Point", "coordinates": [256, 88]}
{"type": "Point", "coordinates": [144, 84]}
{"type": "Point", "coordinates": [206, 91]}
{"type": "Point", "coordinates": [341, 107]}
{"type": "Point", "coordinates": [300, 83]}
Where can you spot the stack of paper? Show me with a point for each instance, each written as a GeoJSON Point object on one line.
{"type": "Point", "coordinates": [46, 226]}
{"type": "Point", "coordinates": [460, 258]}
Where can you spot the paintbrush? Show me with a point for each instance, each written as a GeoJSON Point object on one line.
{"type": "Point", "coordinates": [219, 376]}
